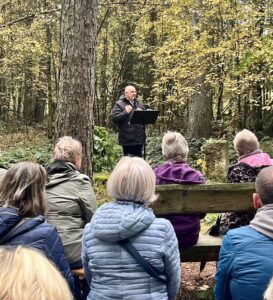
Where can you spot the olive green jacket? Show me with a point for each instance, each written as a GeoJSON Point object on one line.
{"type": "Point", "coordinates": [71, 205]}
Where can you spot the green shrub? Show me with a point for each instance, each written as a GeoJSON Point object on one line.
{"type": "Point", "coordinates": [106, 150]}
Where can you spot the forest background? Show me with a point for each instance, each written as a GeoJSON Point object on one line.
{"type": "Point", "coordinates": [205, 64]}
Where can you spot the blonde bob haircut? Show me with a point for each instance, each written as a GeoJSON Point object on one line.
{"type": "Point", "coordinates": [268, 295]}
{"type": "Point", "coordinates": [245, 142]}
{"type": "Point", "coordinates": [67, 149]}
{"type": "Point", "coordinates": [132, 179]}
{"type": "Point", "coordinates": [174, 147]}
{"type": "Point", "coordinates": [23, 187]}
{"type": "Point", "coordinates": [26, 274]}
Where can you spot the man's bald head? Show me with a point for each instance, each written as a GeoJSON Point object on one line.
{"type": "Point", "coordinates": [264, 185]}
{"type": "Point", "coordinates": [130, 92]}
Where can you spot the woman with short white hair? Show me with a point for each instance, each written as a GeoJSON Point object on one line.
{"type": "Point", "coordinates": [175, 170]}
{"type": "Point", "coordinates": [126, 228]}
{"type": "Point", "coordinates": [251, 160]}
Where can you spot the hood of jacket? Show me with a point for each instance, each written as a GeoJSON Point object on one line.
{"type": "Point", "coordinates": [60, 171]}
{"type": "Point", "coordinates": [119, 220]}
{"type": "Point", "coordinates": [9, 218]}
{"type": "Point", "coordinates": [263, 220]}
{"type": "Point", "coordinates": [179, 173]}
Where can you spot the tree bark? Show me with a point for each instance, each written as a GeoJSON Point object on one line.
{"type": "Point", "coordinates": [77, 74]}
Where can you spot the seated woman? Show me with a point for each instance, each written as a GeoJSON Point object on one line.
{"type": "Point", "coordinates": [26, 274]}
{"type": "Point", "coordinates": [22, 209]}
{"type": "Point", "coordinates": [176, 171]}
{"type": "Point", "coordinates": [251, 161]}
{"type": "Point", "coordinates": [111, 271]}
{"type": "Point", "coordinates": [71, 204]}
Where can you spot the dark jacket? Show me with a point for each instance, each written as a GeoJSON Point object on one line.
{"type": "Point", "coordinates": [35, 233]}
{"type": "Point", "coordinates": [239, 173]}
{"type": "Point", "coordinates": [71, 204]}
{"type": "Point", "coordinates": [186, 226]}
{"type": "Point", "coordinates": [129, 134]}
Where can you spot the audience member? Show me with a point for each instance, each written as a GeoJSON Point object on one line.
{"type": "Point", "coordinates": [22, 201]}
{"type": "Point", "coordinates": [25, 274]}
{"type": "Point", "coordinates": [126, 226]}
{"type": "Point", "coordinates": [251, 161]}
{"type": "Point", "coordinates": [71, 203]}
{"type": "Point", "coordinates": [176, 171]}
{"type": "Point", "coordinates": [246, 256]}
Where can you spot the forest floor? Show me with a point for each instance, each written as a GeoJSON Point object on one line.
{"type": "Point", "coordinates": [196, 285]}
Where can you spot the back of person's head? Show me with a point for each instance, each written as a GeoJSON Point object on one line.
{"type": "Point", "coordinates": [67, 149]}
{"type": "Point", "coordinates": [132, 179]}
{"type": "Point", "coordinates": [174, 147]}
{"type": "Point", "coordinates": [23, 187]}
{"type": "Point", "coordinates": [264, 185]}
{"type": "Point", "coordinates": [268, 295]}
{"type": "Point", "coordinates": [245, 142]}
{"type": "Point", "coordinates": [25, 274]}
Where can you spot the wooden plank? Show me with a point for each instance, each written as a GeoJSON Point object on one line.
{"type": "Point", "coordinates": [210, 198]}
{"type": "Point", "coordinates": [207, 249]}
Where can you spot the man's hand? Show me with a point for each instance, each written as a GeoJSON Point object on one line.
{"type": "Point", "coordinates": [128, 108]}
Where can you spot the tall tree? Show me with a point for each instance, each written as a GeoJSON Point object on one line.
{"type": "Point", "coordinates": [77, 74]}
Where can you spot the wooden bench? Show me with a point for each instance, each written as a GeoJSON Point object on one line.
{"type": "Point", "coordinates": [210, 198]}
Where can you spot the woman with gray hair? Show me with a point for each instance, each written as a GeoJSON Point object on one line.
{"type": "Point", "coordinates": [251, 160]}
{"type": "Point", "coordinates": [71, 203]}
{"type": "Point", "coordinates": [124, 233]}
{"type": "Point", "coordinates": [176, 171]}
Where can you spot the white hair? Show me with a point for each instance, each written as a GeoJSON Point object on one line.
{"type": "Point", "coordinates": [132, 179]}
{"type": "Point", "coordinates": [174, 147]}
{"type": "Point", "coordinates": [67, 149]}
{"type": "Point", "coordinates": [245, 142]}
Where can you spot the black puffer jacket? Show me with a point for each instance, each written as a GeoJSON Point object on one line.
{"type": "Point", "coordinates": [129, 134]}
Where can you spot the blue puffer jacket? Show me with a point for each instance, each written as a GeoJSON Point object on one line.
{"type": "Point", "coordinates": [245, 265]}
{"type": "Point", "coordinates": [111, 272]}
{"type": "Point", "coordinates": [35, 233]}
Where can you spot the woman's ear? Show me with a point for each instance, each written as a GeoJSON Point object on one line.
{"type": "Point", "coordinates": [257, 202]}
{"type": "Point", "coordinates": [78, 162]}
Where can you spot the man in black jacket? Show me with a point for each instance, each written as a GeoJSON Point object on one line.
{"type": "Point", "coordinates": [131, 136]}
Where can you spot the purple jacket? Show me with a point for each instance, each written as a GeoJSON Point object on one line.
{"type": "Point", "coordinates": [186, 226]}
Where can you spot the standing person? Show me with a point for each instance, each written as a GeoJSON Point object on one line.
{"type": "Point", "coordinates": [22, 209]}
{"type": "Point", "coordinates": [71, 202]}
{"type": "Point", "coordinates": [176, 171]}
{"type": "Point", "coordinates": [113, 273]}
{"type": "Point", "coordinates": [251, 161]}
{"type": "Point", "coordinates": [246, 257]}
{"type": "Point", "coordinates": [26, 274]}
{"type": "Point", "coordinates": [131, 136]}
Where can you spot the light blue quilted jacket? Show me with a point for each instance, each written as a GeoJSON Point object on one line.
{"type": "Point", "coordinates": [111, 272]}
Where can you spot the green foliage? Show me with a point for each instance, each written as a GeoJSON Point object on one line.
{"type": "Point", "coordinates": [153, 149]}
{"type": "Point", "coordinates": [106, 151]}
{"type": "Point", "coordinates": [19, 147]}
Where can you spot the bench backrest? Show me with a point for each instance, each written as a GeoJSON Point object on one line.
{"type": "Point", "coordinates": [208, 198]}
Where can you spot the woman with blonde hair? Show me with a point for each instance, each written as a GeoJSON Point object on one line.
{"type": "Point", "coordinates": [26, 274]}
{"type": "Point", "coordinates": [22, 210]}
{"type": "Point", "coordinates": [175, 170]}
{"type": "Point", "coordinates": [124, 237]}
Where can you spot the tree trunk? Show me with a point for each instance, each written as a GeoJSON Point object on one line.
{"type": "Point", "coordinates": [77, 74]}
{"type": "Point", "coordinates": [200, 111]}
